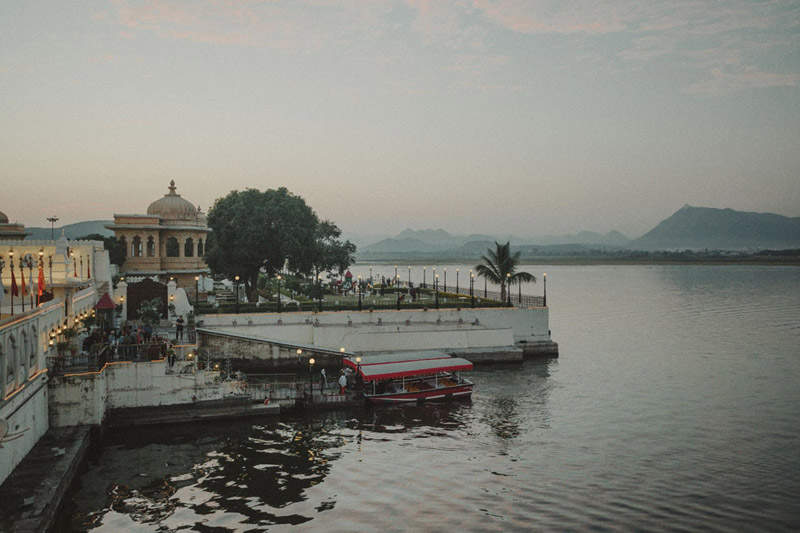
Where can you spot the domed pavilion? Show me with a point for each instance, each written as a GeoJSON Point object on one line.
{"type": "Point", "coordinates": [168, 242]}
{"type": "Point", "coordinates": [9, 231]}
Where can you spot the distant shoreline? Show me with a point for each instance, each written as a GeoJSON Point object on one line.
{"type": "Point", "coordinates": [693, 259]}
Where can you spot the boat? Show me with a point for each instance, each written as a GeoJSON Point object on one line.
{"type": "Point", "coordinates": [411, 377]}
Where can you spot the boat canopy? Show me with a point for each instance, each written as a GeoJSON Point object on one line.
{"type": "Point", "coordinates": [396, 357]}
{"type": "Point", "coordinates": [414, 367]}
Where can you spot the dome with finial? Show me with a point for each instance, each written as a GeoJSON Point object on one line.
{"type": "Point", "coordinates": [173, 207]}
{"type": "Point", "coordinates": [3, 218]}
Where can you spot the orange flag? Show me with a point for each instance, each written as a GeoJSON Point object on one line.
{"type": "Point", "coordinates": [41, 283]}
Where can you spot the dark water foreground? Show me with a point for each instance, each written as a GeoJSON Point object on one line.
{"type": "Point", "coordinates": [675, 405]}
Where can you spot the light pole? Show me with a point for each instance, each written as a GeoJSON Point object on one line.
{"type": "Point", "coordinates": [319, 290]}
{"type": "Point", "coordinates": [2, 265]}
{"type": "Point", "coordinates": [457, 280]}
{"type": "Point", "coordinates": [236, 282]}
{"type": "Point", "coordinates": [196, 293]}
{"type": "Point", "coordinates": [424, 284]}
{"type": "Point", "coordinates": [544, 302]}
{"type": "Point", "coordinates": [279, 293]}
{"type": "Point", "coordinates": [436, 290]}
{"type": "Point", "coordinates": [359, 292]}
{"type": "Point", "coordinates": [409, 277]}
{"type": "Point", "coordinates": [22, 277]}
{"type": "Point", "coordinates": [52, 221]}
{"type": "Point", "coordinates": [397, 291]}
{"type": "Point", "coordinates": [485, 290]}
{"type": "Point", "coordinates": [519, 294]}
{"type": "Point", "coordinates": [472, 288]}
{"type": "Point", "coordinates": [508, 288]}
{"type": "Point", "coordinates": [311, 380]}
{"type": "Point", "coordinates": [370, 276]}
{"type": "Point", "coordinates": [395, 274]}
{"type": "Point", "coordinates": [445, 279]}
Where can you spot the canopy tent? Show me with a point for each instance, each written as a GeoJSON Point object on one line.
{"type": "Point", "coordinates": [105, 303]}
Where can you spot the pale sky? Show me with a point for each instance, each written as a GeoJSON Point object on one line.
{"type": "Point", "coordinates": [507, 116]}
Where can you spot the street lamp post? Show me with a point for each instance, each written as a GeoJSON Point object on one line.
{"type": "Point", "coordinates": [436, 290]}
{"type": "Point", "coordinates": [457, 280]}
{"type": "Point", "coordinates": [485, 289]}
{"type": "Point", "coordinates": [370, 276]}
{"type": "Point", "coordinates": [396, 277]}
{"type": "Point", "coordinates": [22, 277]}
{"type": "Point", "coordinates": [359, 292]}
{"type": "Point", "coordinates": [196, 293]}
{"type": "Point", "coordinates": [311, 380]}
{"type": "Point", "coordinates": [445, 279]}
{"type": "Point", "coordinates": [397, 291]}
{"type": "Point", "coordinates": [519, 294]}
{"type": "Point", "coordinates": [279, 293]}
{"type": "Point", "coordinates": [52, 221]}
{"type": "Point", "coordinates": [472, 288]}
{"type": "Point", "coordinates": [424, 284]}
{"type": "Point", "coordinates": [409, 277]}
{"type": "Point", "coordinates": [544, 302]}
{"type": "Point", "coordinates": [236, 282]}
{"type": "Point", "coordinates": [508, 288]}
{"type": "Point", "coordinates": [319, 290]}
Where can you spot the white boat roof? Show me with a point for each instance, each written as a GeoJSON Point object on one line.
{"type": "Point", "coordinates": [413, 367]}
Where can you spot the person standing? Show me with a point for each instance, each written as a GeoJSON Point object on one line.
{"type": "Point", "coordinates": [179, 328]}
{"type": "Point", "coordinates": [324, 379]}
{"type": "Point", "coordinates": [342, 383]}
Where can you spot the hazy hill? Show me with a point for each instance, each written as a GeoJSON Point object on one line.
{"type": "Point", "coordinates": [699, 228]}
{"type": "Point", "coordinates": [72, 231]}
{"type": "Point", "coordinates": [410, 241]}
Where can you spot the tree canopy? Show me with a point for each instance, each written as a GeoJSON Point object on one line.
{"type": "Point", "coordinates": [116, 251]}
{"type": "Point", "coordinates": [254, 231]}
{"type": "Point", "coordinates": [500, 267]}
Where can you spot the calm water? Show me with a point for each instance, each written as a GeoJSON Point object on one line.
{"type": "Point", "coordinates": [675, 405]}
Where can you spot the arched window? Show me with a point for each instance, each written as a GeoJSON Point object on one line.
{"type": "Point", "coordinates": [200, 250]}
{"type": "Point", "coordinates": [173, 248]}
{"type": "Point", "coordinates": [23, 357]}
{"type": "Point", "coordinates": [151, 247]}
{"type": "Point", "coordinates": [136, 247]}
{"type": "Point", "coordinates": [124, 246]}
{"type": "Point", "coordinates": [33, 348]}
{"type": "Point", "coordinates": [10, 363]}
{"type": "Point", "coordinates": [188, 248]}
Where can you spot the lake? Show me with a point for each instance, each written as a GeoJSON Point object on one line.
{"type": "Point", "coordinates": [674, 406]}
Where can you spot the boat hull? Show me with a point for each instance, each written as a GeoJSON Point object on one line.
{"type": "Point", "coordinates": [463, 390]}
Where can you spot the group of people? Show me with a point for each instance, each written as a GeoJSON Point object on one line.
{"type": "Point", "coordinates": [342, 382]}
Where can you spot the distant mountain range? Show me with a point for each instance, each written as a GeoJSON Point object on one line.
{"type": "Point", "coordinates": [690, 228]}
{"type": "Point", "coordinates": [697, 228]}
{"type": "Point", "coordinates": [72, 231]}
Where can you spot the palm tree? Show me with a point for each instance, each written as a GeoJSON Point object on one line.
{"type": "Point", "coordinates": [499, 266]}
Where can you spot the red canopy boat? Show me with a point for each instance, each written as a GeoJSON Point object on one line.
{"type": "Point", "coordinates": [412, 377]}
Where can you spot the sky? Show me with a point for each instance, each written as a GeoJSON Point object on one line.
{"type": "Point", "coordinates": [475, 116]}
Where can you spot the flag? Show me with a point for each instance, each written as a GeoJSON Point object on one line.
{"type": "Point", "coordinates": [41, 282]}
{"type": "Point", "coordinates": [2, 290]}
{"type": "Point", "coordinates": [88, 268]}
{"type": "Point", "coordinates": [30, 280]}
{"type": "Point", "coordinates": [14, 289]}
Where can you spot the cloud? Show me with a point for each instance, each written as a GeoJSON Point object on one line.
{"type": "Point", "coordinates": [722, 82]}
{"type": "Point", "coordinates": [101, 58]}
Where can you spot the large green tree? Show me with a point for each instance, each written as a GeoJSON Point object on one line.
{"type": "Point", "coordinates": [116, 252]}
{"type": "Point", "coordinates": [330, 253]}
{"type": "Point", "coordinates": [500, 267]}
{"type": "Point", "coordinates": [254, 231]}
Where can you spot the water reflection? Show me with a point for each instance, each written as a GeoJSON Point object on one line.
{"type": "Point", "coordinates": [240, 476]}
